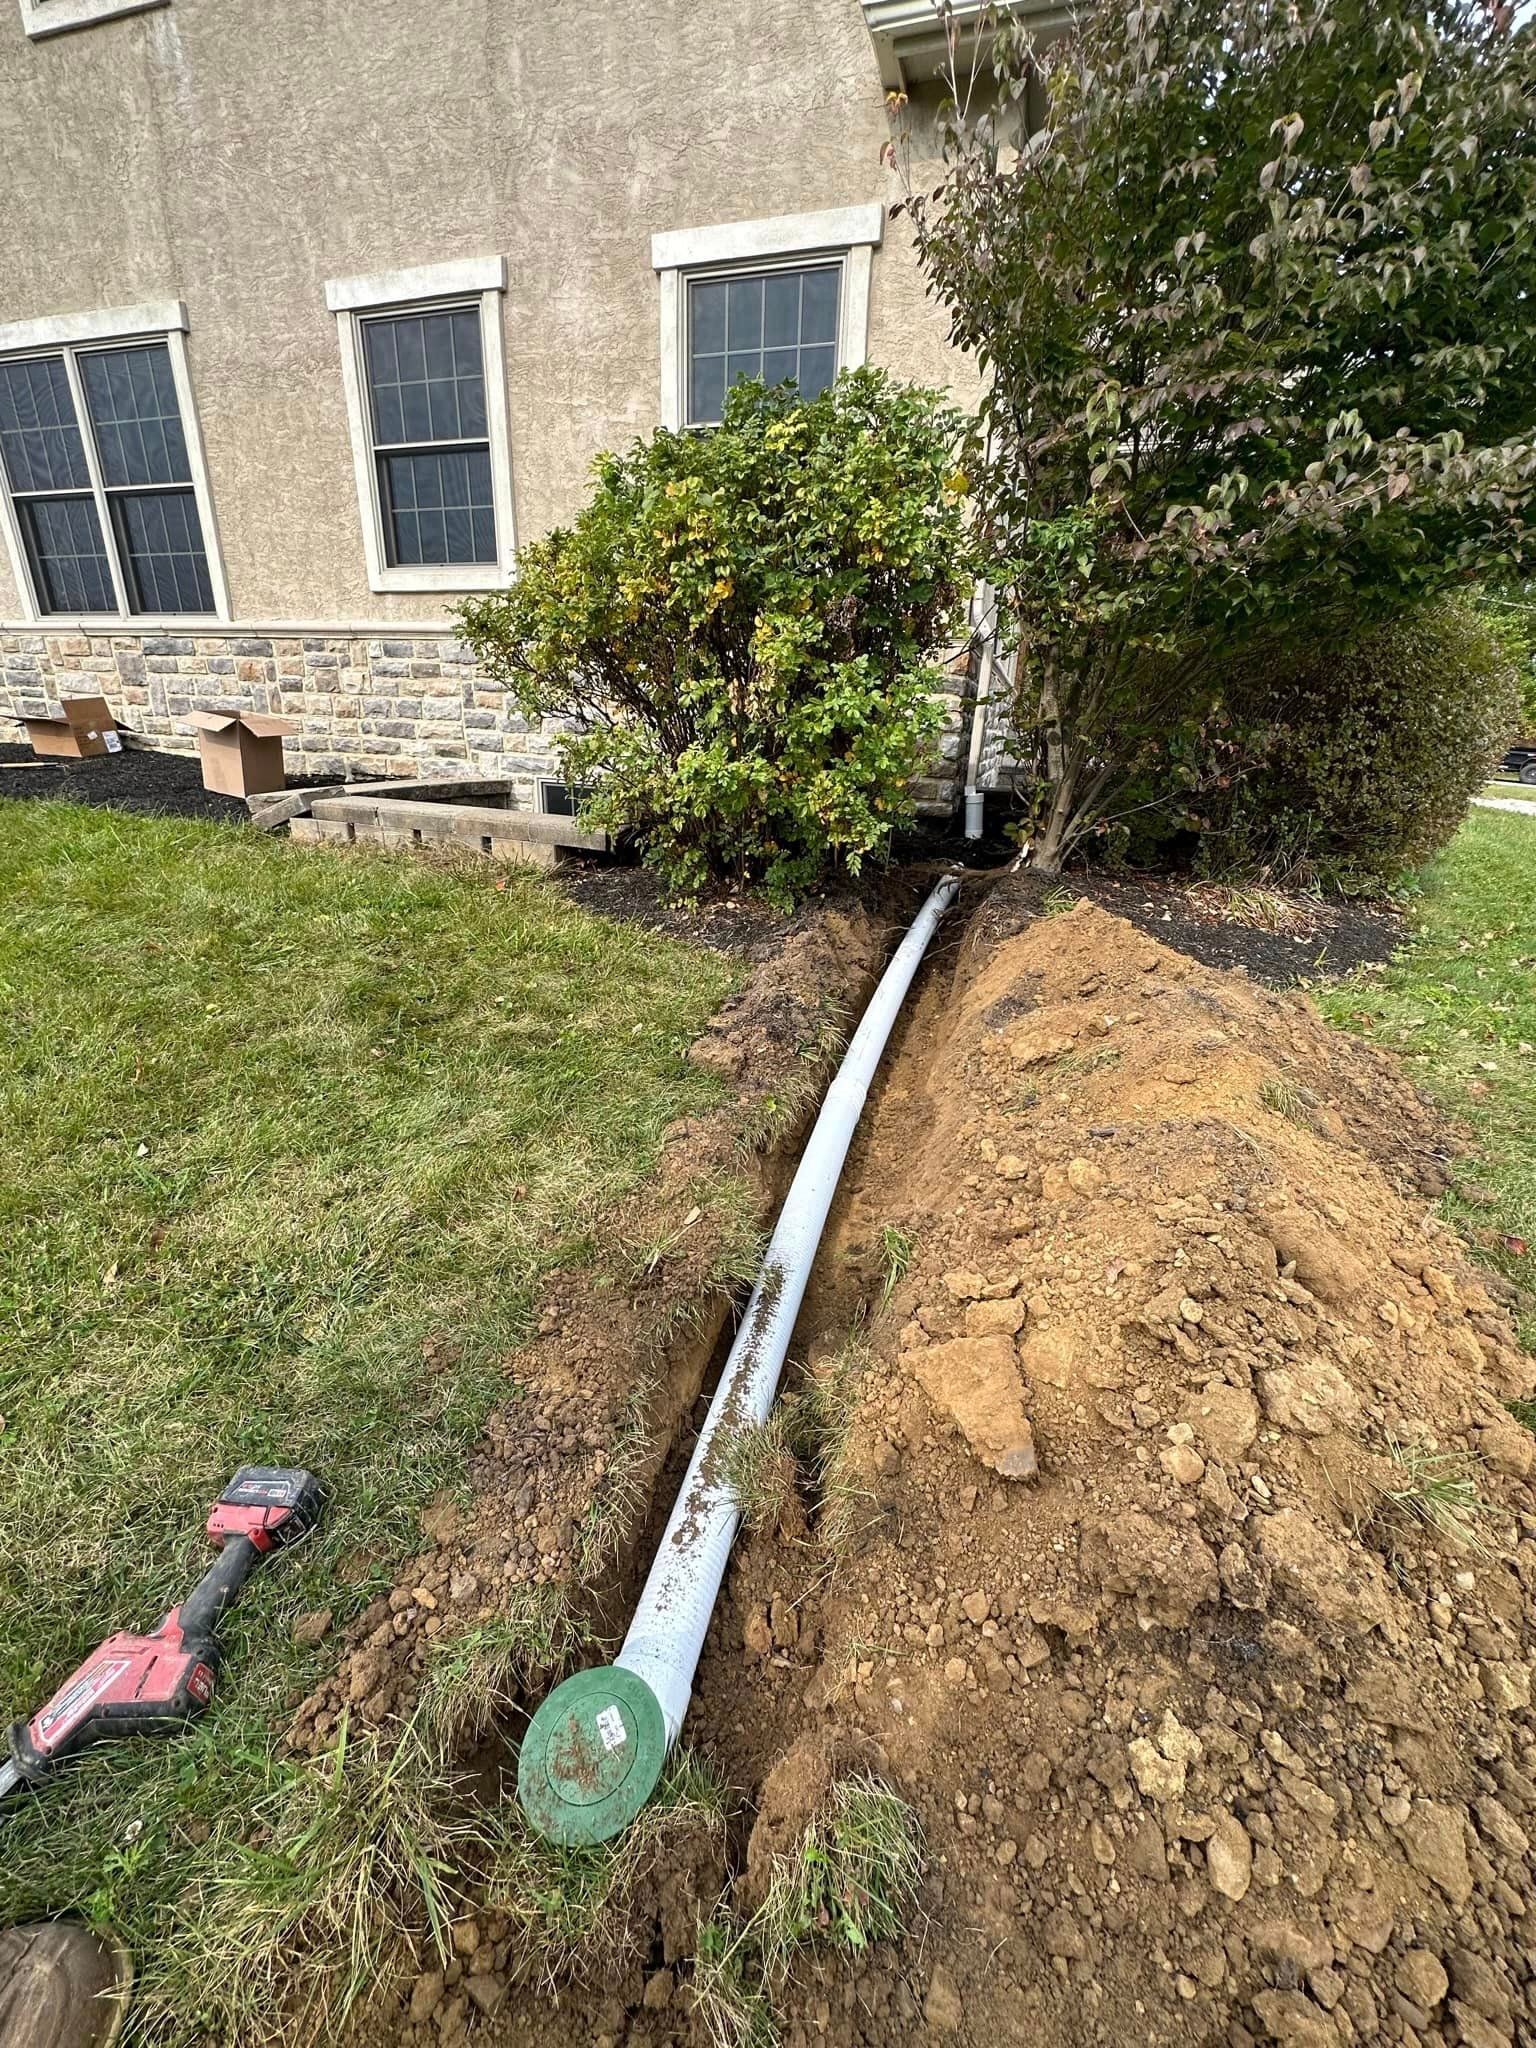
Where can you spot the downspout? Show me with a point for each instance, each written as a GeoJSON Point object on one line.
{"type": "Point", "coordinates": [595, 1749]}
{"type": "Point", "coordinates": [975, 799]}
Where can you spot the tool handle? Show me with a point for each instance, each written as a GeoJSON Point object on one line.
{"type": "Point", "coordinates": [203, 1609]}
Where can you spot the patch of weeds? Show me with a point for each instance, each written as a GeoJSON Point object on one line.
{"type": "Point", "coordinates": [1057, 902]}
{"type": "Point", "coordinates": [1285, 1099]}
{"type": "Point", "coordinates": [324, 1900]}
{"type": "Point", "coordinates": [776, 1112]}
{"type": "Point", "coordinates": [852, 1880]}
{"type": "Point", "coordinates": [897, 1249]}
{"type": "Point", "coordinates": [1250, 905]}
{"type": "Point", "coordinates": [730, 1997]}
{"type": "Point", "coordinates": [818, 1419]}
{"type": "Point", "coordinates": [480, 1673]}
{"type": "Point", "coordinates": [1072, 1066]}
{"type": "Point", "coordinates": [721, 1213]}
{"type": "Point", "coordinates": [1523, 1412]}
{"type": "Point", "coordinates": [727, 1208]}
{"type": "Point", "coordinates": [571, 1911]}
{"type": "Point", "coordinates": [1437, 1491]}
{"type": "Point", "coordinates": [611, 1515]}
{"type": "Point", "coordinates": [758, 1465]}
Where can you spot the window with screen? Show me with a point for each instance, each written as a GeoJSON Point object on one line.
{"type": "Point", "coordinates": [95, 457]}
{"type": "Point", "coordinates": [431, 441]}
{"type": "Point", "coordinates": [777, 325]}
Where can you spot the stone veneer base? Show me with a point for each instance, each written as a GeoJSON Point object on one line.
{"type": "Point", "coordinates": [368, 701]}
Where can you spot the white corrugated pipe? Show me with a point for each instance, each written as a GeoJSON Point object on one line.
{"type": "Point", "coordinates": [595, 1749]}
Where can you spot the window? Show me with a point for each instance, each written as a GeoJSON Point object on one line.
{"type": "Point", "coordinates": [426, 391]}
{"type": "Point", "coordinates": [776, 299]}
{"type": "Point", "coordinates": [426, 396]}
{"type": "Point", "coordinates": [106, 498]}
{"type": "Point", "coordinates": [774, 324]}
{"type": "Point", "coordinates": [51, 17]}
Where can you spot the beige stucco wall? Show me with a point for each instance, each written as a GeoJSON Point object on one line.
{"type": "Point", "coordinates": [236, 153]}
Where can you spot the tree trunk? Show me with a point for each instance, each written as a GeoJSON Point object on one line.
{"type": "Point", "coordinates": [1060, 773]}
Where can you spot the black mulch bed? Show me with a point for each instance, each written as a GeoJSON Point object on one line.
{"type": "Point", "coordinates": [1331, 937]}
{"type": "Point", "coordinates": [730, 923]}
{"type": "Point", "coordinates": [135, 780]}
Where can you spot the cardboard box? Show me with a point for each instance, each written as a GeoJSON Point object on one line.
{"type": "Point", "coordinates": [86, 730]}
{"type": "Point", "coordinates": [241, 751]}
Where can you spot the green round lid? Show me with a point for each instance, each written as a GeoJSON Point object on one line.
{"type": "Point", "coordinates": [591, 1756]}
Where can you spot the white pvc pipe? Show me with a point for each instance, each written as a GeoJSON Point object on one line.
{"type": "Point", "coordinates": [974, 801]}
{"type": "Point", "coordinates": [666, 1636]}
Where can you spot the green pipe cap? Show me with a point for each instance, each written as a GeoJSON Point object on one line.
{"type": "Point", "coordinates": [592, 1756]}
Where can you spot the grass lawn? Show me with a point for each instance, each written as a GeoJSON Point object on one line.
{"type": "Point", "coordinates": [1517, 792]}
{"type": "Point", "coordinates": [273, 1119]}
{"type": "Point", "coordinates": [1460, 1003]}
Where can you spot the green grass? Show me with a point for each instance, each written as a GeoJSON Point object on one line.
{"type": "Point", "coordinates": [570, 1908]}
{"type": "Point", "coordinates": [1460, 1004]}
{"type": "Point", "coordinates": [896, 1248]}
{"type": "Point", "coordinates": [1284, 1098]}
{"type": "Point", "coordinates": [1438, 1491]}
{"type": "Point", "coordinates": [290, 1140]}
{"type": "Point", "coordinates": [1522, 792]}
{"type": "Point", "coordinates": [851, 1880]}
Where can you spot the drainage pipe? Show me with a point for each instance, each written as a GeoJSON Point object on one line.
{"type": "Point", "coordinates": [595, 1749]}
{"type": "Point", "coordinates": [975, 801]}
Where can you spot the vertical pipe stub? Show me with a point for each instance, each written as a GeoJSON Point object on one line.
{"type": "Point", "coordinates": [592, 1756]}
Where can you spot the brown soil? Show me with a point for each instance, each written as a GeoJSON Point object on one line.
{"type": "Point", "coordinates": [1313, 938]}
{"type": "Point", "coordinates": [1213, 1740]}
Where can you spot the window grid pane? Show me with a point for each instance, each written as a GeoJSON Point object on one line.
{"type": "Point", "coordinates": [69, 560]}
{"type": "Point", "coordinates": [161, 543]}
{"type": "Point", "coordinates": [131, 396]}
{"type": "Point", "coordinates": [437, 506]}
{"type": "Point", "coordinates": [426, 378]}
{"type": "Point", "coordinates": [779, 325]}
{"type": "Point", "coordinates": [135, 417]}
{"type": "Point", "coordinates": [39, 434]}
{"type": "Point", "coordinates": [426, 390]}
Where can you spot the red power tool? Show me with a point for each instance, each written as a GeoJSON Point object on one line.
{"type": "Point", "coordinates": [156, 1684]}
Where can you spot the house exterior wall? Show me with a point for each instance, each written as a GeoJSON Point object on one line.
{"type": "Point", "coordinates": [235, 155]}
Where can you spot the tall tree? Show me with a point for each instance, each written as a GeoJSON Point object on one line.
{"type": "Point", "coordinates": [1255, 303]}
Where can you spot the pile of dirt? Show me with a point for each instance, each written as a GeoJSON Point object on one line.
{"type": "Point", "coordinates": [1284, 937]}
{"type": "Point", "coordinates": [1218, 1731]}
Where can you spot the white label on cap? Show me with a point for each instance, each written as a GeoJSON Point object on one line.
{"type": "Point", "coordinates": [610, 1726]}
{"type": "Point", "coordinates": [114, 743]}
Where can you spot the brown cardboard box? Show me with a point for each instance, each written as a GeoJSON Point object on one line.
{"type": "Point", "coordinates": [241, 751]}
{"type": "Point", "coordinates": [86, 729]}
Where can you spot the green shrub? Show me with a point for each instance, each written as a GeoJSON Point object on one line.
{"type": "Point", "coordinates": [1366, 752]}
{"type": "Point", "coordinates": [1510, 615]}
{"type": "Point", "coordinates": [740, 625]}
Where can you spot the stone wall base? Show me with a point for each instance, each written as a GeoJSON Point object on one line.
{"type": "Point", "coordinates": [367, 703]}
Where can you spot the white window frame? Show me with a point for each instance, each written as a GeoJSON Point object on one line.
{"type": "Point", "coordinates": [52, 17]}
{"type": "Point", "coordinates": [848, 235]}
{"type": "Point", "coordinates": [160, 320]}
{"type": "Point", "coordinates": [427, 288]}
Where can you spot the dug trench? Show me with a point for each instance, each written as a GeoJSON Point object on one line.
{"type": "Point", "coordinates": [1173, 1552]}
